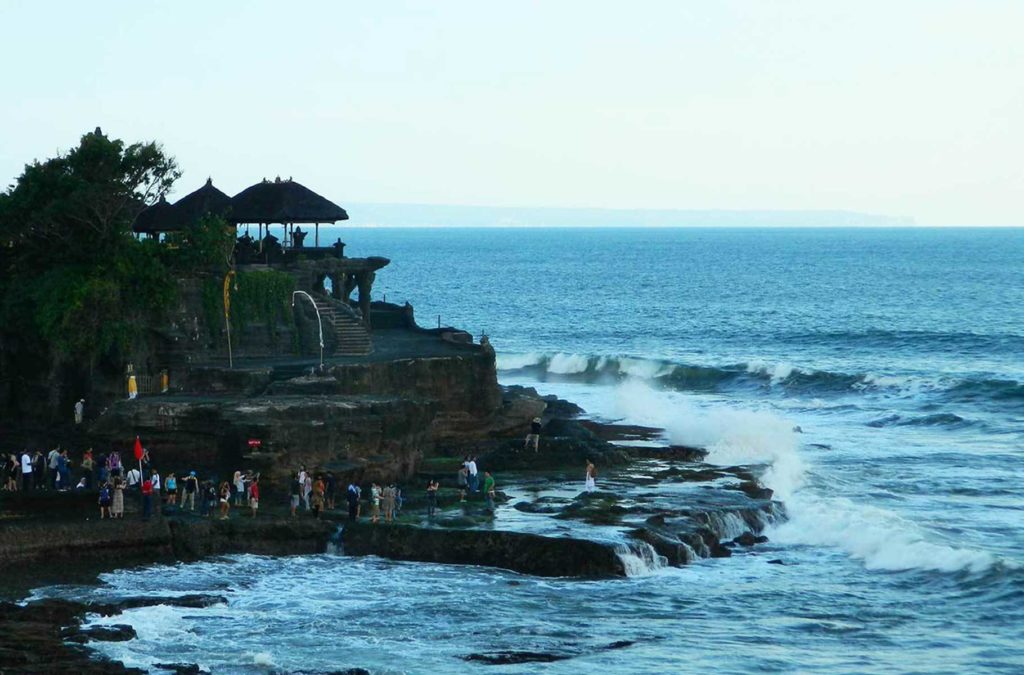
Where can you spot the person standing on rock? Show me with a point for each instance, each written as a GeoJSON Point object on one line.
{"type": "Point", "coordinates": [211, 498]}
{"type": "Point", "coordinates": [64, 471]}
{"type": "Point", "coordinates": [317, 497]}
{"type": "Point", "coordinates": [225, 500]}
{"type": "Point", "coordinates": [38, 470]}
{"type": "Point", "coordinates": [352, 497]}
{"type": "Point", "coordinates": [307, 489]}
{"type": "Point", "coordinates": [254, 495]}
{"type": "Point", "coordinates": [388, 503]}
{"type": "Point", "coordinates": [330, 490]}
{"type": "Point", "coordinates": [296, 494]}
{"type": "Point", "coordinates": [154, 479]}
{"type": "Point", "coordinates": [489, 490]}
{"type": "Point", "coordinates": [238, 483]}
{"type": "Point", "coordinates": [188, 492]}
{"type": "Point", "coordinates": [534, 435]}
{"type": "Point", "coordinates": [88, 464]}
{"type": "Point", "coordinates": [590, 482]}
{"type": "Point", "coordinates": [114, 463]}
{"type": "Point", "coordinates": [117, 501]}
{"type": "Point", "coordinates": [375, 494]}
{"type": "Point", "coordinates": [27, 479]}
{"type": "Point", "coordinates": [432, 487]}
{"type": "Point", "coordinates": [171, 489]}
{"type": "Point", "coordinates": [474, 475]}
{"type": "Point", "coordinates": [51, 465]}
{"type": "Point", "coordinates": [147, 499]}
{"type": "Point", "coordinates": [463, 479]}
{"type": "Point", "coordinates": [104, 501]}
{"type": "Point", "coordinates": [134, 478]}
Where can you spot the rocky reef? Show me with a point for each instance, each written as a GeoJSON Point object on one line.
{"type": "Point", "coordinates": [518, 551]}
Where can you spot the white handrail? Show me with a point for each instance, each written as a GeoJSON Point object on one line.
{"type": "Point", "coordinates": [319, 322]}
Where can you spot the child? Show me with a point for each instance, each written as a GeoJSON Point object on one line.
{"type": "Point", "coordinates": [105, 499]}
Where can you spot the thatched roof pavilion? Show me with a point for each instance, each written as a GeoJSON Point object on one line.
{"type": "Point", "coordinates": [205, 200]}
{"type": "Point", "coordinates": [280, 202]}
{"type": "Point", "coordinates": [283, 202]}
{"type": "Point", "coordinates": [166, 217]}
{"type": "Point", "coordinates": [159, 217]}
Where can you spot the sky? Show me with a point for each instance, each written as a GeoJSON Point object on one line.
{"type": "Point", "coordinates": [911, 109]}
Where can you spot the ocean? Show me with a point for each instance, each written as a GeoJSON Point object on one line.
{"type": "Point", "coordinates": [878, 374]}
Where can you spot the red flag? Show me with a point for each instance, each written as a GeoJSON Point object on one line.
{"type": "Point", "coordinates": [138, 449]}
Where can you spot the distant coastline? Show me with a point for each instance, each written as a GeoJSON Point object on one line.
{"type": "Point", "coordinates": [442, 215]}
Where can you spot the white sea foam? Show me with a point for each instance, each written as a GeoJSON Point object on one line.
{"type": "Point", "coordinates": [517, 361]}
{"type": "Point", "coordinates": [568, 364]}
{"type": "Point", "coordinates": [643, 368]}
{"type": "Point", "coordinates": [265, 659]}
{"type": "Point", "coordinates": [879, 537]}
{"type": "Point", "coordinates": [775, 372]}
{"type": "Point", "coordinates": [639, 558]}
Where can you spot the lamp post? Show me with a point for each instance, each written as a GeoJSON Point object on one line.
{"type": "Point", "coordinates": [319, 322]}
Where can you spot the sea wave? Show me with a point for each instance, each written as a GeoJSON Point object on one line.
{"type": "Point", "coordinates": [755, 373]}
{"type": "Point", "coordinates": [936, 420]}
{"type": "Point", "coordinates": [879, 537]}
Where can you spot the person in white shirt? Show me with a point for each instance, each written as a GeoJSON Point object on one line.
{"type": "Point", "coordinates": [27, 477]}
{"type": "Point", "coordinates": [154, 479]}
{"type": "Point", "coordinates": [134, 477]}
{"type": "Point", "coordinates": [474, 479]}
{"type": "Point", "coordinates": [79, 411]}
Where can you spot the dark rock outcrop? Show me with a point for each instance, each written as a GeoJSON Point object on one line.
{"type": "Point", "coordinates": [520, 552]}
{"type": "Point", "coordinates": [117, 542]}
{"type": "Point", "coordinates": [370, 437]}
{"type": "Point", "coordinates": [117, 632]}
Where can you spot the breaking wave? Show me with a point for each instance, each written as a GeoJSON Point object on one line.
{"type": "Point", "coordinates": [783, 376]}
{"type": "Point", "coordinates": [881, 538]}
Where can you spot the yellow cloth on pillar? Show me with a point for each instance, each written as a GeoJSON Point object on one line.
{"type": "Point", "coordinates": [133, 388]}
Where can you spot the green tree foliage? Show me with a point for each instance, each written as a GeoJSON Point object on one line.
{"type": "Point", "coordinates": [262, 298]}
{"type": "Point", "coordinates": [206, 245]}
{"type": "Point", "coordinates": [75, 282]}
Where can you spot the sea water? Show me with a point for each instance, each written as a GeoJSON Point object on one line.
{"type": "Point", "coordinates": [879, 374]}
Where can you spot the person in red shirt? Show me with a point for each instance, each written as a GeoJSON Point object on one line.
{"type": "Point", "coordinates": [254, 494]}
{"type": "Point", "coordinates": [147, 499]}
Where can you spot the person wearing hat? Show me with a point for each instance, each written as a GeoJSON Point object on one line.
{"type": "Point", "coordinates": [79, 411]}
{"type": "Point", "coordinates": [534, 435]}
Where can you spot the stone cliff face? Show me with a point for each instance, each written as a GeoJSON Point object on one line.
{"type": "Point", "coordinates": [364, 419]}
{"type": "Point", "coordinates": [371, 438]}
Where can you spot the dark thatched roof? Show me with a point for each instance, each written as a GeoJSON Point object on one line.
{"type": "Point", "coordinates": [164, 217]}
{"type": "Point", "coordinates": [206, 200]}
{"type": "Point", "coordinates": [283, 201]}
{"type": "Point", "coordinates": [159, 217]}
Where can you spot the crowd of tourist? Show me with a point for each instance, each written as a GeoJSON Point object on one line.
{"type": "Point", "coordinates": [314, 492]}
{"type": "Point", "coordinates": [108, 474]}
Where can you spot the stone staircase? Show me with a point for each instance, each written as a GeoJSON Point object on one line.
{"type": "Point", "coordinates": [351, 338]}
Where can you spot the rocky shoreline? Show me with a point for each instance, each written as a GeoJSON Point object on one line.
{"type": "Point", "coordinates": [657, 505]}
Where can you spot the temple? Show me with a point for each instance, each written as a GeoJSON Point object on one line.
{"type": "Point", "coordinates": [282, 207]}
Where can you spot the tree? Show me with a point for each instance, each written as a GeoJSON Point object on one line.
{"type": "Point", "coordinates": [79, 207]}
{"type": "Point", "coordinates": [76, 285]}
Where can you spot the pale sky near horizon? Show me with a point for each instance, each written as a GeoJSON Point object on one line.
{"type": "Point", "coordinates": [911, 108]}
